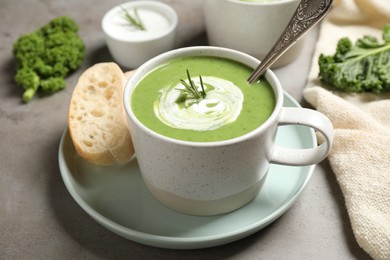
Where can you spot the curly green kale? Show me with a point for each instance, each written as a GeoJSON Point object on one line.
{"type": "Point", "coordinates": [45, 57]}
{"type": "Point", "coordinates": [363, 67]}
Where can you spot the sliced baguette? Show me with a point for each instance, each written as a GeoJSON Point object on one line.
{"type": "Point", "coordinates": [128, 74]}
{"type": "Point", "coordinates": [97, 120]}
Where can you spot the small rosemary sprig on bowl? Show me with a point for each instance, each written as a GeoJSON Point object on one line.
{"type": "Point", "coordinates": [191, 90]}
{"type": "Point", "coordinates": [134, 21]}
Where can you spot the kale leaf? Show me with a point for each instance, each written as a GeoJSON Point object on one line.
{"type": "Point", "coordinates": [46, 56]}
{"type": "Point", "coordinates": [360, 67]}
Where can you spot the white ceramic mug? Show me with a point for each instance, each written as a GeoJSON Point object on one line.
{"type": "Point", "coordinates": [232, 171]}
{"type": "Point", "coordinates": [251, 27]}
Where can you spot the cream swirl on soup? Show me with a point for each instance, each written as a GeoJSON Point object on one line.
{"type": "Point", "coordinates": [222, 105]}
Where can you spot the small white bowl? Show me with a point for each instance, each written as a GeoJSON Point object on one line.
{"type": "Point", "coordinates": [130, 47]}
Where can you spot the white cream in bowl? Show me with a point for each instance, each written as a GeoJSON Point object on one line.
{"type": "Point", "coordinates": [129, 46]}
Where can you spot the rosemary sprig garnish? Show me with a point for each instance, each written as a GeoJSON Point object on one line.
{"type": "Point", "coordinates": [135, 20]}
{"type": "Point", "coordinates": [192, 88]}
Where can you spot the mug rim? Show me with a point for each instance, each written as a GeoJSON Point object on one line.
{"type": "Point", "coordinates": [222, 52]}
{"type": "Point", "coordinates": [248, 3]}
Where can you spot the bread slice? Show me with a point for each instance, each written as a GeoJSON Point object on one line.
{"type": "Point", "coordinates": [97, 119]}
{"type": "Point", "coordinates": [128, 74]}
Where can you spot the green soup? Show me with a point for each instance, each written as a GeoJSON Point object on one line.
{"type": "Point", "coordinates": [231, 107]}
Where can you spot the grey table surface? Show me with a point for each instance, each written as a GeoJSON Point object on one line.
{"type": "Point", "coordinates": [40, 220]}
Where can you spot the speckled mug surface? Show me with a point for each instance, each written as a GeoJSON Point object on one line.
{"type": "Point", "coordinates": [251, 26]}
{"type": "Point", "coordinates": [209, 178]}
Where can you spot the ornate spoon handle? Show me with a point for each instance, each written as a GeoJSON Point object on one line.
{"type": "Point", "coordinates": [307, 14]}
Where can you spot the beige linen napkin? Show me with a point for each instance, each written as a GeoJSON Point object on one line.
{"type": "Point", "coordinates": [360, 157]}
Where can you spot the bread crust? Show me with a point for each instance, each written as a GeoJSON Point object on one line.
{"type": "Point", "coordinates": [96, 119]}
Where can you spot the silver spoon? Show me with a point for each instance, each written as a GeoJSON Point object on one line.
{"type": "Point", "coordinates": [307, 14]}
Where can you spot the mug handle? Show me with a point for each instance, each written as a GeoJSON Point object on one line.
{"type": "Point", "coordinates": [303, 157]}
